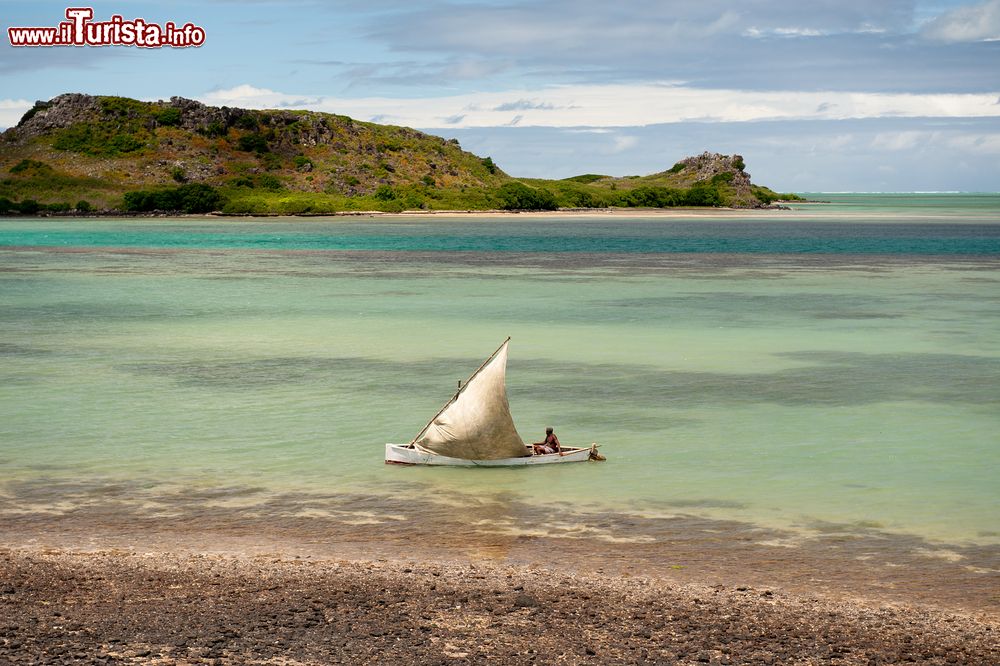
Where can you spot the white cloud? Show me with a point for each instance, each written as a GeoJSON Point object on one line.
{"type": "Point", "coordinates": [623, 143]}
{"type": "Point", "coordinates": [248, 96]}
{"type": "Point", "coordinates": [975, 23]}
{"type": "Point", "coordinates": [897, 141]}
{"type": "Point", "coordinates": [782, 32]}
{"type": "Point", "coordinates": [981, 144]}
{"type": "Point", "coordinates": [596, 27]}
{"type": "Point", "coordinates": [837, 142]}
{"type": "Point", "coordinates": [620, 105]}
{"type": "Point", "coordinates": [11, 111]}
{"type": "Point", "coordinates": [933, 141]}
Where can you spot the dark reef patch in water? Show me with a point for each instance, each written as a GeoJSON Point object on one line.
{"type": "Point", "coordinates": [832, 378]}
{"type": "Point", "coordinates": [835, 379]}
{"type": "Point", "coordinates": [24, 351]}
{"type": "Point", "coordinates": [856, 315]}
{"type": "Point", "coordinates": [241, 263]}
{"type": "Point", "coordinates": [738, 308]}
{"type": "Point", "coordinates": [365, 374]}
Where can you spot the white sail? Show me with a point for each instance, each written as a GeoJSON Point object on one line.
{"type": "Point", "coordinates": [476, 424]}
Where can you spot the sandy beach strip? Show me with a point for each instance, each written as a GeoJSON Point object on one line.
{"type": "Point", "coordinates": [119, 607]}
{"type": "Point", "coordinates": [706, 212]}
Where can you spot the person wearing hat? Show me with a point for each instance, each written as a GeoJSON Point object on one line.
{"type": "Point", "coordinates": [549, 445]}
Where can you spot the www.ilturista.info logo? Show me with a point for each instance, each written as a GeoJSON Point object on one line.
{"type": "Point", "coordinates": [81, 30]}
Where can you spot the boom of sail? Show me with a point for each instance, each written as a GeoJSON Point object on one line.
{"type": "Point", "coordinates": [476, 423]}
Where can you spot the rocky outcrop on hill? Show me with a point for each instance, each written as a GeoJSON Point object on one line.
{"type": "Point", "coordinates": [731, 168]}
{"type": "Point", "coordinates": [57, 113]}
{"type": "Point", "coordinates": [708, 179]}
{"type": "Point", "coordinates": [71, 108]}
{"type": "Point", "coordinates": [164, 142]}
{"type": "Point", "coordinates": [710, 165]}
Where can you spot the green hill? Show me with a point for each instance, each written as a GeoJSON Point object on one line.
{"type": "Point", "coordinates": [81, 152]}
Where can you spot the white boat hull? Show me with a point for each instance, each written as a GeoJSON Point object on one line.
{"type": "Point", "coordinates": [402, 454]}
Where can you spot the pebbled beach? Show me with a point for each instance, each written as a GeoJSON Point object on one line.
{"type": "Point", "coordinates": [118, 607]}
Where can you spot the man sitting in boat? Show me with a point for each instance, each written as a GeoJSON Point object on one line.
{"type": "Point", "coordinates": [549, 445]}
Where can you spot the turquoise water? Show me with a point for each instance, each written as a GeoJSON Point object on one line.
{"type": "Point", "coordinates": [540, 236]}
{"type": "Point", "coordinates": [834, 364]}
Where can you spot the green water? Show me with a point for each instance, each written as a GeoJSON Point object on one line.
{"type": "Point", "coordinates": [854, 380]}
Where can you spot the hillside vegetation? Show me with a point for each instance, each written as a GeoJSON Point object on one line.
{"type": "Point", "coordinates": [85, 153]}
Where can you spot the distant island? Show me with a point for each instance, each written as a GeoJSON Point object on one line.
{"type": "Point", "coordinates": [84, 154]}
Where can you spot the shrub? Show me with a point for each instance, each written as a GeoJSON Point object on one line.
{"type": "Point", "coordinates": [57, 207]}
{"type": "Point", "coordinates": [214, 129]}
{"type": "Point", "coordinates": [584, 199]}
{"type": "Point", "coordinates": [677, 168]}
{"type": "Point", "coordinates": [393, 206]}
{"type": "Point", "coordinates": [518, 196]}
{"type": "Point", "coordinates": [270, 161]}
{"type": "Point", "coordinates": [99, 141]}
{"type": "Point", "coordinates": [123, 143]}
{"type": "Point", "coordinates": [385, 193]}
{"type": "Point", "coordinates": [31, 165]}
{"type": "Point", "coordinates": [703, 194]}
{"type": "Point", "coordinates": [169, 117]}
{"type": "Point", "coordinates": [243, 208]}
{"type": "Point", "coordinates": [123, 107]}
{"type": "Point", "coordinates": [247, 121]}
{"type": "Point", "coordinates": [83, 206]}
{"type": "Point", "coordinates": [412, 200]}
{"type": "Point", "coordinates": [7, 206]}
{"type": "Point", "coordinates": [177, 173]}
{"type": "Point", "coordinates": [428, 180]}
{"type": "Point", "coordinates": [75, 138]}
{"type": "Point", "coordinates": [490, 166]}
{"type": "Point", "coordinates": [189, 198]}
{"type": "Point", "coordinates": [301, 160]}
{"type": "Point", "coordinates": [253, 143]}
{"type": "Point", "coordinates": [199, 198]}
{"type": "Point", "coordinates": [268, 182]}
{"type": "Point", "coordinates": [585, 178]}
{"type": "Point", "coordinates": [29, 207]}
{"type": "Point", "coordinates": [140, 200]}
{"type": "Point", "coordinates": [650, 197]}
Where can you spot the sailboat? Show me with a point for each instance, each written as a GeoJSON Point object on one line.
{"type": "Point", "coordinates": [475, 428]}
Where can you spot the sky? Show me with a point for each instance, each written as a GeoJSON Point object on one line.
{"type": "Point", "coordinates": [817, 95]}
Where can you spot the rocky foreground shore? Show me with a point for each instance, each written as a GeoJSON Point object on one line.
{"type": "Point", "coordinates": [64, 607]}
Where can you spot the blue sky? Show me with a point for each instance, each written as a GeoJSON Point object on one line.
{"type": "Point", "coordinates": [828, 95]}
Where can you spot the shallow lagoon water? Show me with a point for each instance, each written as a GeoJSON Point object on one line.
{"type": "Point", "coordinates": [827, 366]}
